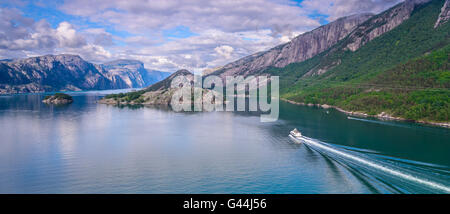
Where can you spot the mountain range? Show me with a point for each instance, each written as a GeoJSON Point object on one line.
{"type": "Point", "coordinates": [67, 72]}
{"type": "Point", "coordinates": [392, 65]}
{"type": "Point", "coordinates": [378, 77]}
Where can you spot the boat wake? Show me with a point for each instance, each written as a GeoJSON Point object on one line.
{"type": "Point", "coordinates": [402, 175]}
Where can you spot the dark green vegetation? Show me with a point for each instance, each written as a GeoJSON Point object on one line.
{"type": "Point", "coordinates": [404, 72]}
{"type": "Point", "coordinates": [127, 97]}
{"type": "Point", "coordinates": [59, 96]}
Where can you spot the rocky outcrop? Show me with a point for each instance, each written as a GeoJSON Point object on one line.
{"type": "Point", "coordinates": [299, 49]}
{"type": "Point", "coordinates": [71, 73]}
{"type": "Point", "coordinates": [157, 94]}
{"type": "Point", "coordinates": [381, 24]}
{"type": "Point", "coordinates": [444, 16]}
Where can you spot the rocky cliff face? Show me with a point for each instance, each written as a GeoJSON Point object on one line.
{"type": "Point", "coordinates": [382, 23]}
{"type": "Point", "coordinates": [367, 31]}
{"type": "Point", "coordinates": [132, 73]}
{"type": "Point", "coordinates": [299, 49]}
{"type": "Point", "coordinates": [71, 72]}
{"type": "Point", "coordinates": [47, 73]}
{"type": "Point", "coordinates": [357, 31]}
{"type": "Point", "coordinates": [445, 14]}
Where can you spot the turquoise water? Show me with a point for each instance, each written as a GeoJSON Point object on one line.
{"type": "Point", "coordinates": [87, 147]}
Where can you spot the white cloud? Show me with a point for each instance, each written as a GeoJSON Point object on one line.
{"type": "Point", "coordinates": [23, 37]}
{"type": "Point", "coordinates": [229, 16]}
{"type": "Point", "coordinates": [224, 51]}
{"type": "Point", "coordinates": [68, 37]}
{"type": "Point", "coordinates": [199, 52]}
{"type": "Point", "coordinates": [99, 36]}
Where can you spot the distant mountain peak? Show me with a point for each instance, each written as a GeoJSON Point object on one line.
{"type": "Point", "coordinates": [182, 72]}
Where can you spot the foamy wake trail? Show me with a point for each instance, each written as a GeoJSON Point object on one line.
{"type": "Point", "coordinates": [377, 166]}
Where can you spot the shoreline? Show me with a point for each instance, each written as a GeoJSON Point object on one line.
{"type": "Point", "coordinates": [382, 115]}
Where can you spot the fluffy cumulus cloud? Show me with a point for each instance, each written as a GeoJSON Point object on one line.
{"type": "Point", "coordinates": [21, 33]}
{"type": "Point", "coordinates": [212, 49]}
{"type": "Point", "coordinates": [23, 37]}
{"type": "Point", "coordinates": [165, 35]}
{"type": "Point", "coordinates": [224, 51]}
{"type": "Point", "coordinates": [199, 15]}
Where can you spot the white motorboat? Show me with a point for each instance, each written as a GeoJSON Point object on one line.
{"type": "Point", "coordinates": [297, 136]}
{"type": "Point", "coordinates": [296, 133]}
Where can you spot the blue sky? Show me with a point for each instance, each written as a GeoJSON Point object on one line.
{"type": "Point", "coordinates": [165, 35]}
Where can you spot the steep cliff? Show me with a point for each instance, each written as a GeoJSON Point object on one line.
{"type": "Point", "coordinates": [299, 49]}
{"type": "Point", "coordinates": [381, 23]}
{"type": "Point", "coordinates": [402, 73]}
{"type": "Point", "coordinates": [369, 30]}
{"type": "Point", "coordinates": [444, 16]}
{"type": "Point", "coordinates": [132, 72]}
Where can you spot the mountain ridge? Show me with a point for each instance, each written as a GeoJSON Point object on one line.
{"type": "Point", "coordinates": [68, 72]}
{"type": "Point", "coordinates": [298, 49]}
{"type": "Point", "coordinates": [363, 80]}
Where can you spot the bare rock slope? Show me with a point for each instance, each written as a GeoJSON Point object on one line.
{"type": "Point", "coordinates": [299, 49]}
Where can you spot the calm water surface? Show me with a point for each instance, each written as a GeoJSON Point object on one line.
{"type": "Point", "coordinates": [87, 147]}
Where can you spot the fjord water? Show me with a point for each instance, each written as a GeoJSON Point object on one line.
{"type": "Point", "coordinates": [87, 147]}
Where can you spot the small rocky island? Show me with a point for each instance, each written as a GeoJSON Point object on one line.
{"type": "Point", "coordinates": [58, 99]}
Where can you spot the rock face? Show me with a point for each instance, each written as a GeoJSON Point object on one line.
{"type": "Point", "coordinates": [365, 32]}
{"type": "Point", "coordinates": [70, 72]}
{"type": "Point", "coordinates": [445, 14]}
{"type": "Point", "coordinates": [132, 73]}
{"type": "Point", "coordinates": [357, 31]}
{"type": "Point", "coordinates": [299, 49]}
{"type": "Point", "coordinates": [381, 23]}
{"type": "Point", "coordinates": [58, 99]}
{"type": "Point", "coordinates": [46, 73]}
